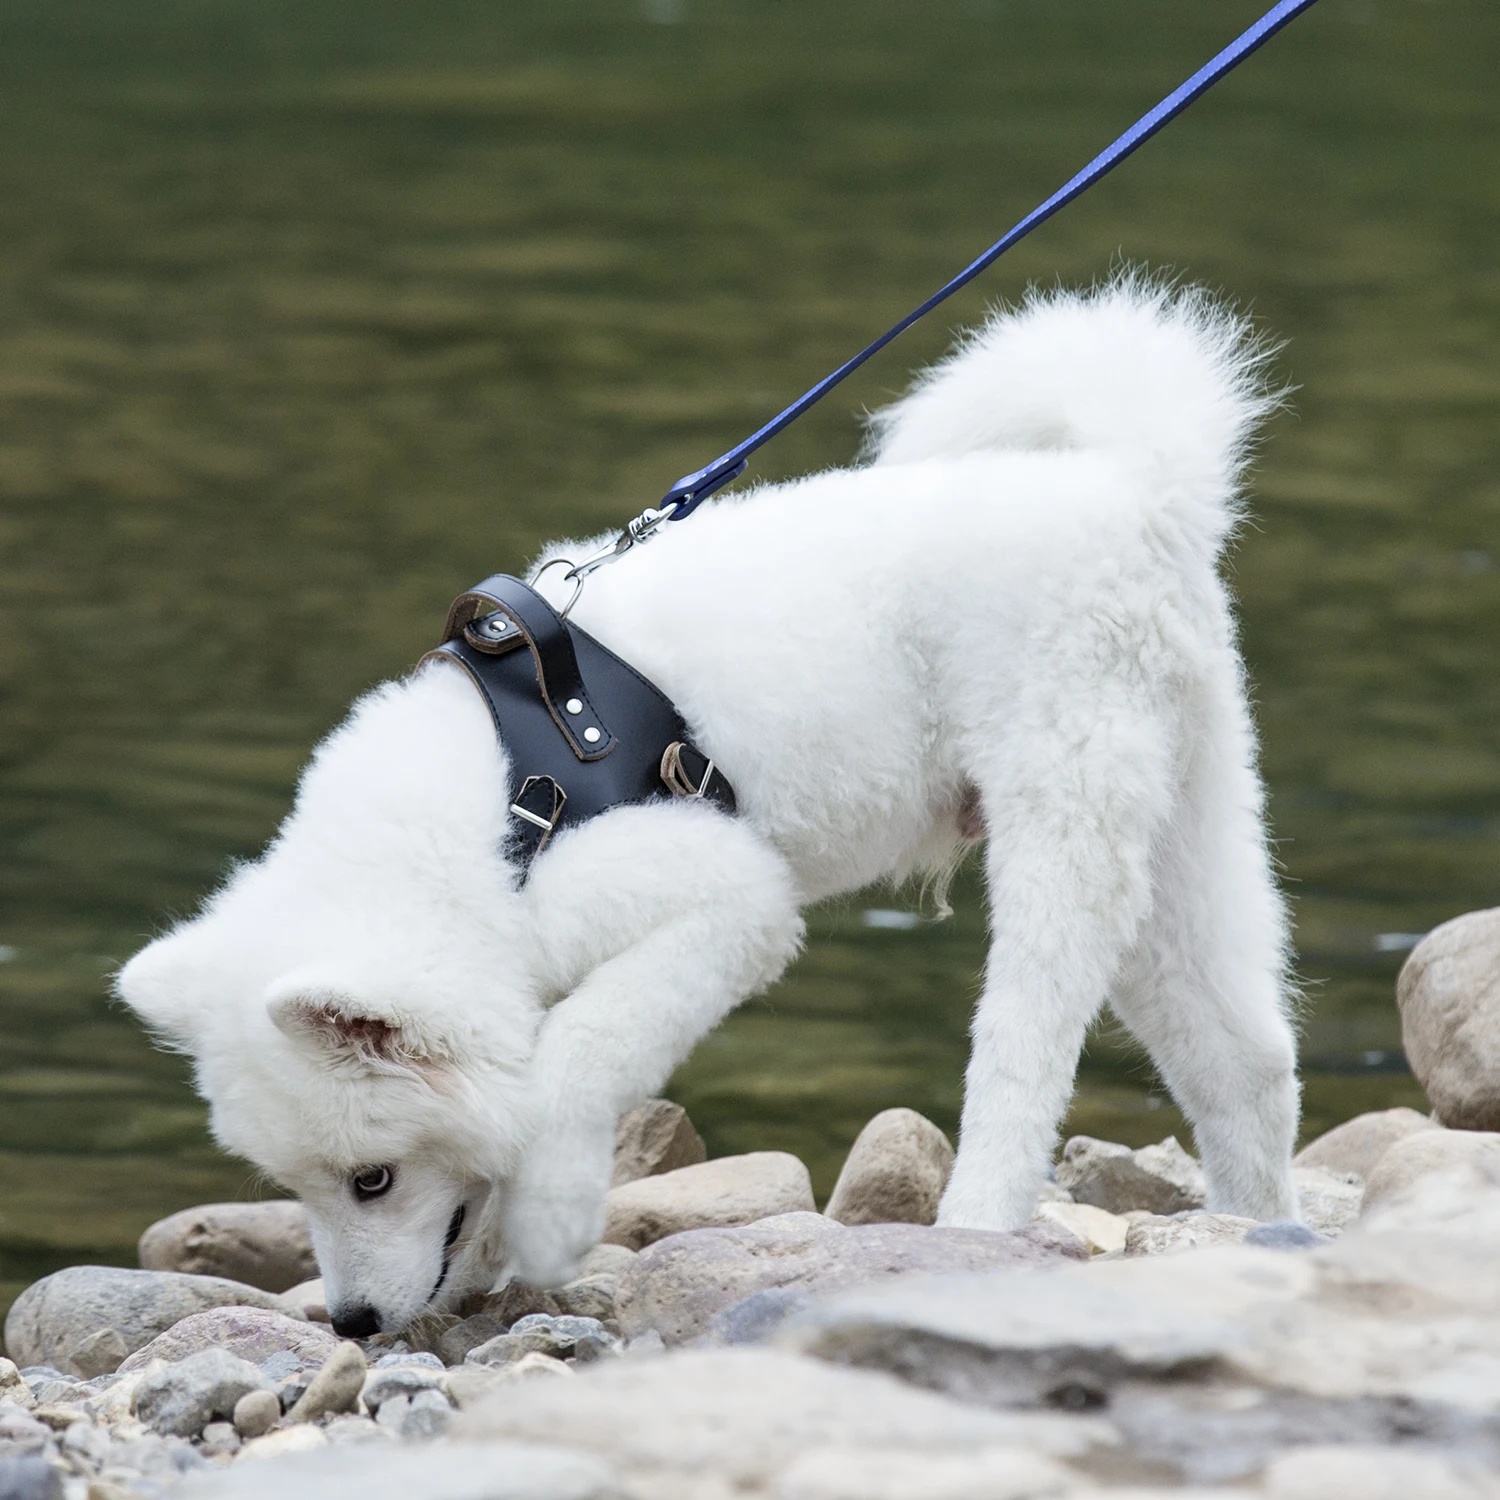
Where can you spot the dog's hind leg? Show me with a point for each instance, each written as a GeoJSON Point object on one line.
{"type": "Point", "coordinates": [1205, 990]}
{"type": "Point", "coordinates": [1072, 813]}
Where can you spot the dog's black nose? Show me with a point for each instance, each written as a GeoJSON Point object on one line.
{"type": "Point", "coordinates": [356, 1323]}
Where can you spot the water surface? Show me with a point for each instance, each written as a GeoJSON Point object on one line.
{"type": "Point", "coordinates": [312, 313]}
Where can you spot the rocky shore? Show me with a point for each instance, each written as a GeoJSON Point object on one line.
{"type": "Point", "coordinates": [729, 1341]}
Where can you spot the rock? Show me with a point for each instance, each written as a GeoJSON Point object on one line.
{"type": "Point", "coordinates": [253, 1333]}
{"type": "Point", "coordinates": [56, 1316]}
{"type": "Point", "coordinates": [1162, 1179]}
{"type": "Point", "coordinates": [730, 1190]}
{"type": "Point", "coordinates": [468, 1335]}
{"type": "Point", "coordinates": [335, 1388]}
{"type": "Point", "coordinates": [1426, 1154]}
{"type": "Point", "coordinates": [1449, 995]}
{"type": "Point", "coordinates": [1284, 1234]}
{"type": "Point", "coordinates": [507, 1303]}
{"type": "Point", "coordinates": [398, 1380]}
{"type": "Point", "coordinates": [1375, 1337]}
{"type": "Point", "coordinates": [355, 1430]}
{"type": "Point", "coordinates": [19, 1427]}
{"type": "Point", "coordinates": [388, 1471]}
{"type": "Point", "coordinates": [561, 1337]}
{"type": "Point", "coordinates": [727, 1422]}
{"type": "Point", "coordinates": [29, 1478]}
{"type": "Point", "coordinates": [219, 1439]}
{"type": "Point", "coordinates": [679, 1285]}
{"type": "Point", "coordinates": [298, 1439]}
{"type": "Point", "coordinates": [1350, 1472]}
{"type": "Point", "coordinates": [256, 1413]}
{"type": "Point", "coordinates": [179, 1400]}
{"type": "Point", "coordinates": [1328, 1201]}
{"type": "Point", "coordinates": [1357, 1144]}
{"type": "Point", "coordinates": [838, 1472]}
{"type": "Point", "coordinates": [425, 1333]}
{"type": "Point", "coordinates": [265, 1245]}
{"type": "Point", "coordinates": [605, 1260]}
{"type": "Point", "coordinates": [1154, 1234]}
{"type": "Point", "coordinates": [656, 1137]}
{"type": "Point", "coordinates": [895, 1172]}
{"type": "Point", "coordinates": [428, 1416]}
{"type": "Point", "coordinates": [13, 1386]}
{"type": "Point", "coordinates": [309, 1299]}
{"type": "Point", "coordinates": [587, 1297]}
{"type": "Point", "coordinates": [100, 1353]}
{"type": "Point", "coordinates": [1100, 1230]}
{"type": "Point", "coordinates": [753, 1320]}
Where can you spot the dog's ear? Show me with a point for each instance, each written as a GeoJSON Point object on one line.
{"type": "Point", "coordinates": [169, 985]}
{"type": "Point", "coordinates": [328, 1014]}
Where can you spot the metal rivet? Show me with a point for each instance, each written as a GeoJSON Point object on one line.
{"type": "Point", "coordinates": [591, 735]}
{"type": "Point", "coordinates": [574, 705]}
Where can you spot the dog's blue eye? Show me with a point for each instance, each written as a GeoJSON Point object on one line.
{"type": "Point", "coordinates": [372, 1182]}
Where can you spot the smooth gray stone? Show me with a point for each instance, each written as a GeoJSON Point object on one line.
{"type": "Point", "coordinates": [1285, 1234]}
{"type": "Point", "coordinates": [757, 1318]}
{"type": "Point", "coordinates": [180, 1400]}
{"type": "Point", "coordinates": [439, 1471]}
{"type": "Point", "coordinates": [53, 1317]}
{"type": "Point", "coordinates": [261, 1244]}
{"type": "Point", "coordinates": [29, 1479]}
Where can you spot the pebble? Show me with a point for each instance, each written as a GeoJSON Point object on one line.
{"type": "Point", "coordinates": [1155, 1234]}
{"type": "Point", "coordinates": [653, 1138]}
{"type": "Point", "coordinates": [256, 1413]}
{"type": "Point", "coordinates": [561, 1337]}
{"type": "Point", "coordinates": [1449, 995]}
{"type": "Point", "coordinates": [13, 1385]}
{"type": "Point", "coordinates": [29, 1478]}
{"type": "Point", "coordinates": [401, 1380]}
{"type": "Point", "coordinates": [895, 1172]}
{"type": "Point", "coordinates": [729, 1190]}
{"type": "Point", "coordinates": [1161, 1179]}
{"type": "Point", "coordinates": [335, 1388]}
{"type": "Point", "coordinates": [1102, 1231]}
{"type": "Point", "coordinates": [180, 1399]}
{"type": "Point", "coordinates": [298, 1439]}
{"type": "Point", "coordinates": [1284, 1234]}
{"type": "Point", "coordinates": [507, 1303]}
{"type": "Point", "coordinates": [220, 1438]}
{"type": "Point", "coordinates": [586, 1297]}
{"type": "Point", "coordinates": [264, 1245]}
{"type": "Point", "coordinates": [1328, 1201]}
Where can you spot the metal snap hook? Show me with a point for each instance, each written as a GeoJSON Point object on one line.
{"type": "Point", "coordinates": [573, 573]}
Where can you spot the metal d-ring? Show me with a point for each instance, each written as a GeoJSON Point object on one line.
{"type": "Point", "coordinates": [573, 573]}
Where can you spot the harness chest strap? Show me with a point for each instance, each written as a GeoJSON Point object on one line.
{"type": "Point", "coordinates": [584, 730]}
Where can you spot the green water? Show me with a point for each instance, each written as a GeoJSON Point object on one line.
{"type": "Point", "coordinates": [311, 313]}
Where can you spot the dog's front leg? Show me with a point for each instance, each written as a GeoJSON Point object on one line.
{"type": "Point", "coordinates": [653, 922]}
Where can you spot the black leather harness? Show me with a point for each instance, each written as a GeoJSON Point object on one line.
{"type": "Point", "coordinates": [584, 730]}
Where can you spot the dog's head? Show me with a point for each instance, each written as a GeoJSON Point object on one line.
{"type": "Point", "coordinates": [359, 1010]}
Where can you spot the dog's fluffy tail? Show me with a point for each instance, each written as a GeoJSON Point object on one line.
{"type": "Point", "coordinates": [1170, 378]}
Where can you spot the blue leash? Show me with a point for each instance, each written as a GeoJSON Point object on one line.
{"type": "Point", "coordinates": [693, 489]}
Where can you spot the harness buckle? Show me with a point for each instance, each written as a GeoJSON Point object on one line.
{"type": "Point", "coordinates": [676, 777]}
{"type": "Point", "coordinates": [546, 808]}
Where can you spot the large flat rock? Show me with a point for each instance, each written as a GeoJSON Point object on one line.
{"type": "Point", "coordinates": [681, 1285]}
{"type": "Point", "coordinates": [62, 1316]}
{"type": "Point", "coordinates": [1209, 1360]}
{"type": "Point", "coordinates": [252, 1333]}
{"type": "Point", "coordinates": [745, 1417]}
{"type": "Point", "coordinates": [431, 1471]}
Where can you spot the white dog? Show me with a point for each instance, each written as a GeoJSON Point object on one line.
{"type": "Point", "coordinates": [1010, 623]}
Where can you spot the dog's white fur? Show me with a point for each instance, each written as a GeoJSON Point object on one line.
{"type": "Point", "coordinates": [1014, 608]}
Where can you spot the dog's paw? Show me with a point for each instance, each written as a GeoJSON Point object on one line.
{"type": "Point", "coordinates": [978, 1205]}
